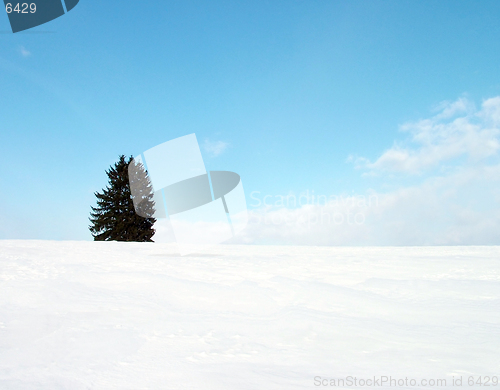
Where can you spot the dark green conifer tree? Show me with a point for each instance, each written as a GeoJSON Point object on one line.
{"type": "Point", "coordinates": [115, 218]}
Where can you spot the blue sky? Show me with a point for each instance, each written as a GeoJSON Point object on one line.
{"type": "Point", "coordinates": [293, 95]}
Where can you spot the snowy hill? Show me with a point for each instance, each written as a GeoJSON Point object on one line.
{"type": "Point", "coordinates": [108, 315]}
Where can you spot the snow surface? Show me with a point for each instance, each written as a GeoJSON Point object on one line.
{"type": "Point", "coordinates": [109, 315]}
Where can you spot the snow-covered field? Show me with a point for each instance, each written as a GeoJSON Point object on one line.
{"type": "Point", "coordinates": [108, 315]}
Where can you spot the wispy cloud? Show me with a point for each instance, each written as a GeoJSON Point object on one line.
{"type": "Point", "coordinates": [457, 130]}
{"type": "Point", "coordinates": [456, 204]}
{"type": "Point", "coordinates": [215, 148]}
{"type": "Point", "coordinates": [24, 52]}
{"type": "Point", "coordinates": [459, 209]}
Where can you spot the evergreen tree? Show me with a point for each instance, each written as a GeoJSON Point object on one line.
{"type": "Point", "coordinates": [115, 218]}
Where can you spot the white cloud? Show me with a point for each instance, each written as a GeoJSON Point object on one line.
{"type": "Point", "coordinates": [448, 109]}
{"type": "Point", "coordinates": [457, 130]}
{"type": "Point", "coordinates": [460, 209]}
{"type": "Point", "coordinates": [24, 52]}
{"type": "Point", "coordinates": [491, 112]}
{"type": "Point", "coordinates": [456, 204]}
{"type": "Point", "coordinates": [215, 148]}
